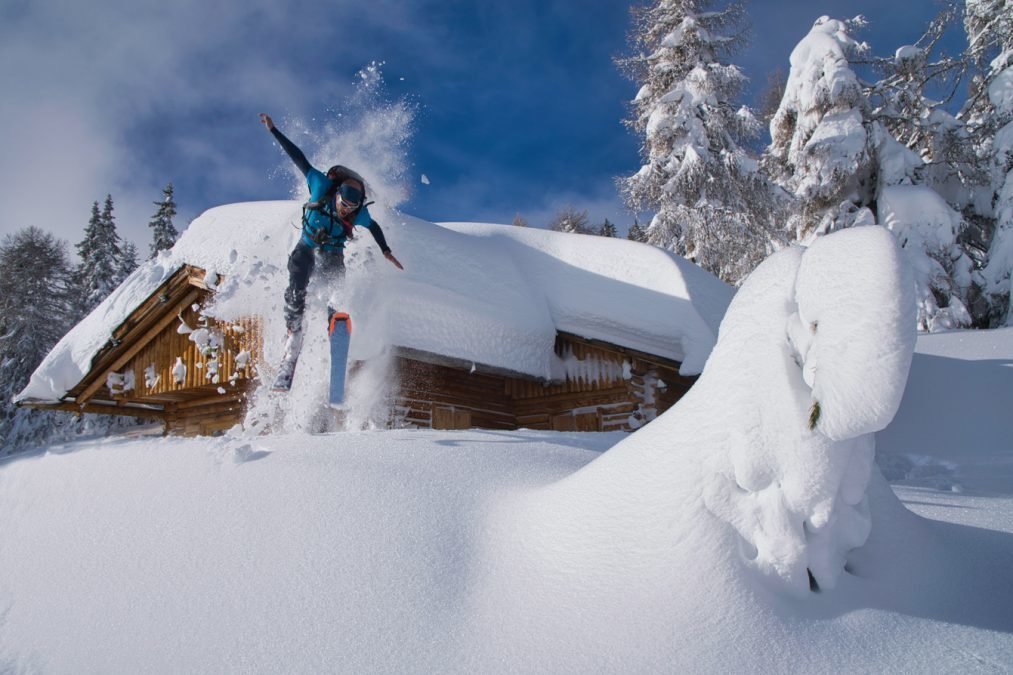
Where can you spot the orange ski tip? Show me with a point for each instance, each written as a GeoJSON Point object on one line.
{"type": "Point", "coordinates": [335, 318]}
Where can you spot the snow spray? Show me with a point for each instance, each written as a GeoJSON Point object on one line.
{"type": "Point", "coordinates": [371, 135]}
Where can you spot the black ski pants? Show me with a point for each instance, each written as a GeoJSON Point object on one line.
{"type": "Point", "coordinates": [301, 264]}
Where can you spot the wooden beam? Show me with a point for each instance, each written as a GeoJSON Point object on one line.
{"type": "Point", "coordinates": [174, 285]}
{"type": "Point", "coordinates": [431, 358]}
{"type": "Point", "coordinates": [138, 344]}
{"type": "Point", "coordinates": [97, 408]}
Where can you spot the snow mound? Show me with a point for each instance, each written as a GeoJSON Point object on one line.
{"type": "Point", "coordinates": [741, 485]}
{"type": "Point", "coordinates": [465, 552]}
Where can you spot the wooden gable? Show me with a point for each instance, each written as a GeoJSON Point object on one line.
{"type": "Point", "coordinates": [168, 361]}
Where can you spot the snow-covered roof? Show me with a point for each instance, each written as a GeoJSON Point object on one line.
{"type": "Point", "coordinates": [494, 295]}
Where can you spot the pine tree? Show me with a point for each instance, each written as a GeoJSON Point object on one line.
{"type": "Point", "coordinates": [520, 221]}
{"type": "Point", "coordinates": [920, 122]}
{"type": "Point", "coordinates": [820, 147]}
{"type": "Point", "coordinates": [832, 149]}
{"type": "Point", "coordinates": [164, 233]}
{"type": "Point", "coordinates": [571, 220]}
{"type": "Point", "coordinates": [607, 229]}
{"type": "Point", "coordinates": [128, 261]}
{"type": "Point", "coordinates": [101, 254]}
{"type": "Point", "coordinates": [637, 233]}
{"type": "Point", "coordinates": [711, 204]}
{"type": "Point", "coordinates": [35, 311]}
{"type": "Point", "coordinates": [770, 97]}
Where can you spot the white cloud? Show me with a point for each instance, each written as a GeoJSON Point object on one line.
{"type": "Point", "coordinates": [94, 82]}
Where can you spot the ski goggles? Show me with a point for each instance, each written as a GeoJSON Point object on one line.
{"type": "Point", "coordinates": [349, 195]}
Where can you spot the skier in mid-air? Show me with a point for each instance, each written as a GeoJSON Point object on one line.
{"type": "Point", "coordinates": [336, 205]}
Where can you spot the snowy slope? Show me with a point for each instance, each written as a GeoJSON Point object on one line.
{"type": "Point", "coordinates": [954, 427]}
{"type": "Point", "coordinates": [410, 551]}
{"type": "Point", "coordinates": [361, 552]}
{"type": "Point", "coordinates": [485, 293]}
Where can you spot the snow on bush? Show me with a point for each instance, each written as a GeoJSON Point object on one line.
{"type": "Point", "coordinates": [794, 478]}
{"type": "Point", "coordinates": [926, 227]}
{"type": "Point", "coordinates": [761, 470]}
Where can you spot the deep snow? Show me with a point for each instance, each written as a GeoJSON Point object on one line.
{"type": "Point", "coordinates": [413, 551]}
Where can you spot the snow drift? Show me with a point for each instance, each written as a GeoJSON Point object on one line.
{"type": "Point", "coordinates": [529, 551]}
{"type": "Point", "coordinates": [761, 471]}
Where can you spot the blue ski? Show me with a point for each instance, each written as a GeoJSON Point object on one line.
{"type": "Point", "coordinates": [340, 331]}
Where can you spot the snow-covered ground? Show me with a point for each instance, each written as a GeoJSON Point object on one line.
{"type": "Point", "coordinates": [675, 548]}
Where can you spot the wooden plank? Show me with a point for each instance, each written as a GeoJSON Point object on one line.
{"type": "Point", "coordinates": [175, 284]}
{"type": "Point", "coordinates": [574, 399]}
{"type": "Point", "coordinates": [445, 417]}
{"type": "Point", "coordinates": [131, 351]}
{"type": "Point", "coordinates": [135, 326]}
{"type": "Point", "coordinates": [97, 408]}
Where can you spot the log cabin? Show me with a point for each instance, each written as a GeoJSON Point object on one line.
{"type": "Point", "coordinates": [528, 351]}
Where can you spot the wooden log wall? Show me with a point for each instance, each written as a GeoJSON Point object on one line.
{"type": "Point", "coordinates": [205, 417]}
{"type": "Point", "coordinates": [200, 381]}
{"type": "Point", "coordinates": [434, 396]}
{"type": "Point", "coordinates": [606, 389]}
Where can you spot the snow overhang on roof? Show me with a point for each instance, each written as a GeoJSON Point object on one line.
{"type": "Point", "coordinates": [485, 294]}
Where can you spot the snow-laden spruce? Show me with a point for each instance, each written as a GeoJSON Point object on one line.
{"type": "Point", "coordinates": [833, 150]}
{"type": "Point", "coordinates": [106, 260]}
{"type": "Point", "coordinates": [711, 203]}
{"type": "Point", "coordinates": [818, 149]}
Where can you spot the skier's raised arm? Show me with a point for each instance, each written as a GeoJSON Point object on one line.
{"type": "Point", "coordinates": [295, 153]}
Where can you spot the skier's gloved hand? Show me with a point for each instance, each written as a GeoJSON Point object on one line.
{"type": "Point", "coordinates": [394, 261]}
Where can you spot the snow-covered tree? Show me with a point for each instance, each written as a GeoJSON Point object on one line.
{"type": "Point", "coordinates": [35, 311]}
{"type": "Point", "coordinates": [519, 221]}
{"type": "Point", "coordinates": [833, 150]}
{"type": "Point", "coordinates": [571, 220]}
{"type": "Point", "coordinates": [899, 100]}
{"type": "Point", "coordinates": [989, 25]}
{"type": "Point", "coordinates": [711, 204]}
{"type": "Point", "coordinates": [607, 229]}
{"type": "Point", "coordinates": [819, 150]}
{"type": "Point", "coordinates": [770, 97]}
{"type": "Point", "coordinates": [128, 260]}
{"type": "Point", "coordinates": [101, 267]}
{"type": "Point", "coordinates": [164, 233]}
{"type": "Point", "coordinates": [637, 233]}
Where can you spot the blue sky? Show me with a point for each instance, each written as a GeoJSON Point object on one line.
{"type": "Point", "coordinates": [518, 104]}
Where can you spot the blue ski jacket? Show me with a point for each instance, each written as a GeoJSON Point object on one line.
{"type": "Point", "coordinates": [324, 228]}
